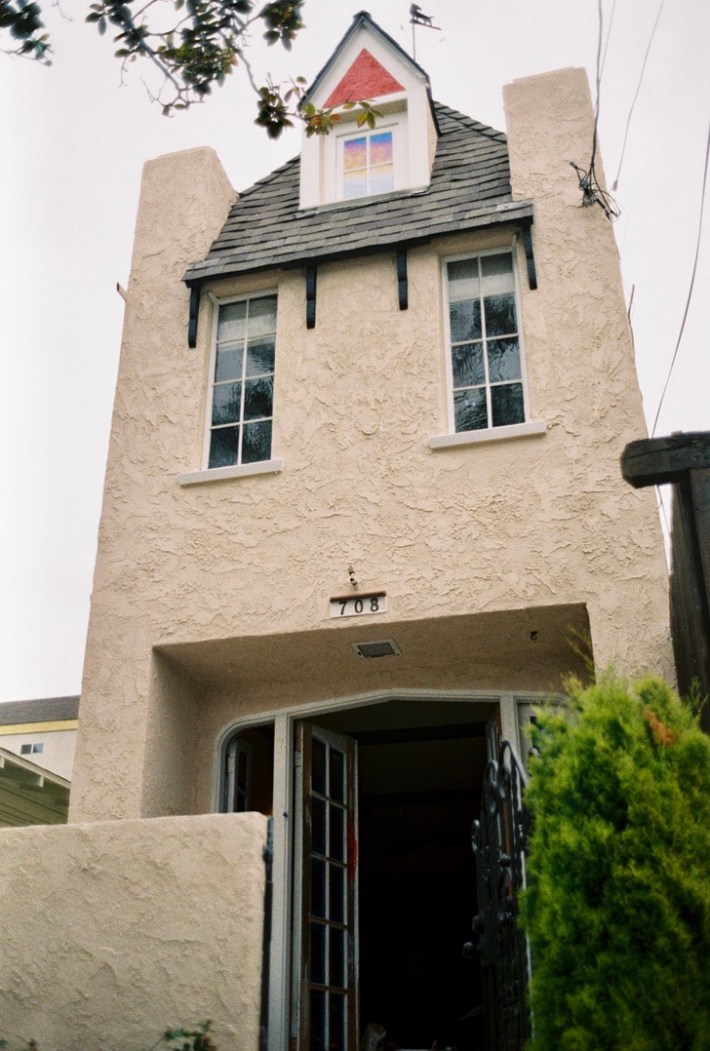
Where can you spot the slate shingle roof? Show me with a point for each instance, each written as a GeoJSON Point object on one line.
{"type": "Point", "coordinates": [470, 187]}
{"type": "Point", "coordinates": [43, 710]}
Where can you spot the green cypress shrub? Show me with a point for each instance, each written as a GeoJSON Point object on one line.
{"type": "Point", "coordinates": [617, 909]}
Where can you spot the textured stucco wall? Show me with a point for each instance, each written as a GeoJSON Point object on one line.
{"type": "Point", "coordinates": [525, 525]}
{"type": "Point", "coordinates": [114, 932]}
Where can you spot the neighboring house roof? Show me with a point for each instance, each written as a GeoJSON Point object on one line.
{"type": "Point", "coordinates": [30, 795]}
{"type": "Point", "coordinates": [42, 710]}
{"type": "Point", "coordinates": [470, 188]}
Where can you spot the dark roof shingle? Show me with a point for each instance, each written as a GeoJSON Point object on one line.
{"type": "Point", "coordinates": [470, 187]}
{"type": "Point", "coordinates": [42, 710]}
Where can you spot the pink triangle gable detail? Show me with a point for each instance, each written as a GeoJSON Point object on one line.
{"type": "Point", "coordinates": [366, 79]}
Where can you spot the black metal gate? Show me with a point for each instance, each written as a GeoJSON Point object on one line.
{"type": "Point", "coordinates": [498, 841]}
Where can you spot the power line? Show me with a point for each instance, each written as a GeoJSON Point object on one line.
{"type": "Point", "coordinates": [690, 288]}
{"type": "Point", "coordinates": [615, 184]}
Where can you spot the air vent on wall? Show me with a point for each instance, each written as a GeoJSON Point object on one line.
{"type": "Point", "coordinates": [381, 648]}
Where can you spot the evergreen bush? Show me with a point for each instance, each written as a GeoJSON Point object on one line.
{"type": "Point", "coordinates": [617, 908]}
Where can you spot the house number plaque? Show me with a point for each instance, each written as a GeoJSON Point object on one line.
{"type": "Point", "coordinates": [358, 605]}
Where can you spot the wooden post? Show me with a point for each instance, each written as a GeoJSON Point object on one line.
{"type": "Point", "coordinates": [683, 460]}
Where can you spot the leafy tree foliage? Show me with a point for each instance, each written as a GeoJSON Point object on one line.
{"type": "Point", "coordinates": [618, 904]}
{"type": "Point", "coordinates": [195, 45]}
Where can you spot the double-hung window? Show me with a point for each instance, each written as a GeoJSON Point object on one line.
{"type": "Point", "coordinates": [368, 163]}
{"type": "Point", "coordinates": [484, 343]}
{"type": "Point", "coordinates": [242, 401]}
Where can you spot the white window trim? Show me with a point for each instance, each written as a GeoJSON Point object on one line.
{"type": "Point", "coordinates": [244, 470]}
{"type": "Point", "coordinates": [395, 121]}
{"type": "Point", "coordinates": [219, 474]}
{"type": "Point", "coordinates": [490, 433]}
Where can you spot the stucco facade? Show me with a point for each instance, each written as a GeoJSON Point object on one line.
{"type": "Point", "coordinates": [212, 600]}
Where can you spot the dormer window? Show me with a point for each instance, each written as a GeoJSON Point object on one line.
{"type": "Point", "coordinates": [397, 154]}
{"type": "Point", "coordinates": [368, 164]}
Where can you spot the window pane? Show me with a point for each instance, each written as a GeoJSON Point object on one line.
{"type": "Point", "coordinates": [262, 316]}
{"type": "Point", "coordinates": [224, 447]}
{"type": "Point", "coordinates": [317, 825]}
{"type": "Point", "coordinates": [382, 179]}
{"type": "Point", "coordinates": [381, 148]}
{"type": "Point", "coordinates": [470, 412]}
{"type": "Point", "coordinates": [228, 365]}
{"type": "Point", "coordinates": [337, 956]}
{"type": "Point", "coordinates": [318, 870]}
{"type": "Point", "coordinates": [507, 404]}
{"type": "Point", "coordinates": [497, 274]}
{"type": "Point", "coordinates": [226, 403]}
{"type": "Point", "coordinates": [355, 153]}
{"type": "Point", "coordinates": [317, 1036]}
{"type": "Point", "coordinates": [232, 318]}
{"type": "Point", "coordinates": [500, 315]}
{"type": "Point", "coordinates": [337, 833]}
{"type": "Point", "coordinates": [337, 1022]}
{"type": "Point", "coordinates": [25, 749]}
{"type": "Point", "coordinates": [462, 279]}
{"type": "Point", "coordinates": [318, 764]}
{"type": "Point", "coordinates": [465, 319]}
{"type": "Point", "coordinates": [260, 356]}
{"type": "Point", "coordinates": [336, 876]}
{"type": "Point", "coordinates": [467, 362]}
{"type": "Point", "coordinates": [337, 770]}
{"type": "Point", "coordinates": [256, 444]}
{"type": "Point", "coordinates": [318, 952]}
{"type": "Point", "coordinates": [503, 360]}
{"type": "Point", "coordinates": [258, 398]}
{"type": "Point", "coordinates": [355, 184]}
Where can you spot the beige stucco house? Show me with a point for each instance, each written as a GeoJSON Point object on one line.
{"type": "Point", "coordinates": [362, 500]}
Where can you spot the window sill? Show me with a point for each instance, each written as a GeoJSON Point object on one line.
{"type": "Point", "coordinates": [219, 474]}
{"type": "Point", "coordinates": [490, 434]}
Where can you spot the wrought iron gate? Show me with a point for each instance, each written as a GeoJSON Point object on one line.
{"type": "Point", "coordinates": [498, 841]}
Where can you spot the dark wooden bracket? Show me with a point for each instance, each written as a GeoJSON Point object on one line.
{"type": "Point", "coordinates": [402, 282]}
{"type": "Point", "coordinates": [529, 256]}
{"type": "Point", "coordinates": [311, 281]}
{"type": "Point", "coordinates": [195, 294]}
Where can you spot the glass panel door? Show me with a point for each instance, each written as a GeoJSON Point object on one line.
{"type": "Point", "coordinates": [324, 1011]}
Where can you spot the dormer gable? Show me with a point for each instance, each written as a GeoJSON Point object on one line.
{"type": "Point", "coordinates": [354, 162]}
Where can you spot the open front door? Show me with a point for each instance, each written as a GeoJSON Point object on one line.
{"type": "Point", "coordinates": [499, 841]}
{"type": "Point", "coordinates": [324, 992]}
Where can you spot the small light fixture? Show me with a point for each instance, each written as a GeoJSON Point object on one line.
{"type": "Point", "coordinates": [380, 648]}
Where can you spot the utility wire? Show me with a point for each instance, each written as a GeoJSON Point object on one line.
{"type": "Point", "coordinates": [690, 288]}
{"type": "Point", "coordinates": [615, 184]}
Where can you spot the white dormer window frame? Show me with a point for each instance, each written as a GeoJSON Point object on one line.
{"type": "Point", "coordinates": [393, 134]}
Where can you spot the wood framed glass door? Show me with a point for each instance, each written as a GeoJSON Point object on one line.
{"type": "Point", "coordinates": [324, 989]}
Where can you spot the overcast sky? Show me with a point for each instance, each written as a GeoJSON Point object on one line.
{"type": "Point", "coordinates": [73, 140]}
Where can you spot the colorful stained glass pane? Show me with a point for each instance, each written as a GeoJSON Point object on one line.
{"type": "Point", "coordinates": [355, 184]}
{"type": "Point", "coordinates": [381, 148]}
{"type": "Point", "coordinates": [355, 153]}
{"type": "Point", "coordinates": [382, 179]}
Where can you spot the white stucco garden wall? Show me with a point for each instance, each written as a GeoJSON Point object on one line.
{"type": "Point", "coordinates": [113, 932]}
